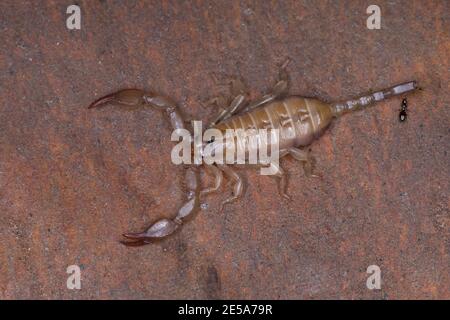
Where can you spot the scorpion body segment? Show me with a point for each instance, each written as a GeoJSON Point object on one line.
{"type": "Point", "coordinates": [299, 120]}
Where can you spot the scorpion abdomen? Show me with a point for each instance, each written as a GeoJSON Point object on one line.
{"type": "Point", "coordinates": [299, 120]}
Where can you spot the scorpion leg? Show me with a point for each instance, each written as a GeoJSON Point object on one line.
{"type": "Point", "coordinates": [282, 180]}
{"type": "Point", "coordinates": [238, 91]}
{"type": "Point", "coordinates": [237, 103]}
{"type": "Point", "coordinates": [131, 99]}
{"type": "Point", "coordinates": [307, 160]}
{"type": "Point", "coordinates": [218, 178]}
{"type": "Point", "coordinates": [279, 90]}
{"type": "Point", "coordinates": [238, 186]}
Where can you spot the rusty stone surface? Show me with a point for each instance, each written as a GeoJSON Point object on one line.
{"type": "Point", "coordinates": [72, 180]}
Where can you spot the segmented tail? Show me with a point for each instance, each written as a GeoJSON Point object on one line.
{"type": "Point", "coordinates": [341, 108]}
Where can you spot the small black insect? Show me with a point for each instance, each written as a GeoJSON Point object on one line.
{"type": "Point", "coordinates": [403, 115]}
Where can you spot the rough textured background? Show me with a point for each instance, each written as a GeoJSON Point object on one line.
{"type": "Point", "coordinates": [72, 179]}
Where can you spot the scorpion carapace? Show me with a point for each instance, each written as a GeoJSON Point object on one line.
{"type": "Point", "coordinates": [304, 118]}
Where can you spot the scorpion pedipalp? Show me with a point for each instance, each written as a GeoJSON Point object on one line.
{"type": "Point", "coordinates": [165, 227]}
{"type": "Point", "coordinates": [131, 99]}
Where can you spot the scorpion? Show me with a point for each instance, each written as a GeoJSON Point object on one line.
{"type": "Point", "coordinates": [304, 118]}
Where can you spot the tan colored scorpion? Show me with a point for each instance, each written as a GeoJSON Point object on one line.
{"type": "Point", "coordinates": [301, 119]}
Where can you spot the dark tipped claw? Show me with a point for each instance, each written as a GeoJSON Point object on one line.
{"type": "Point", "coordinates": [136, 243]}
{"type": "Point", "coordinates": [102, 101]}
{"type": "Point", "coordinates": [135, 236]}
{"type": "Point", "coordinates": [159, 229]}
{"type": "Point", "coordinates": [127, 97]}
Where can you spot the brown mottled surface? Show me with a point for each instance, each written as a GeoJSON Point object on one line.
{"type": "Point", "coordinates": [72, 179]}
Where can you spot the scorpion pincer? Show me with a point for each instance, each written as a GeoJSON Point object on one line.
{"type": "Point", "coordinates": [300, 120]}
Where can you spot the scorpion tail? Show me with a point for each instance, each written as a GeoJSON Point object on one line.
{"type": "Point", "coordinates": [341, 108]}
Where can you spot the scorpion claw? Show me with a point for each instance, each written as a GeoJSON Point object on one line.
{"type": "Point", "coordinates": [135, 236]}
{"type": "Point", "coordinates": [102, 101]}
{"type": "Point", "coordinates": [159, 229]}
{"type": "Point", "coordinates": [136, 243]}
{"type": "Point", "coordinates": [127, 97]}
